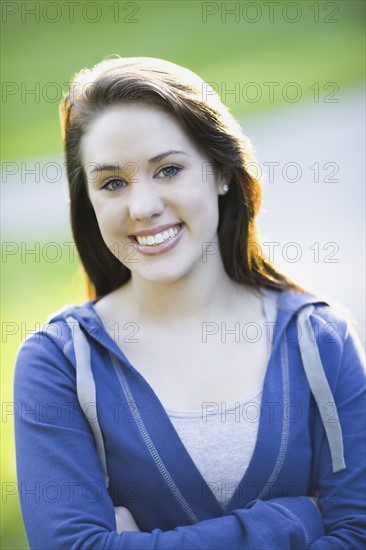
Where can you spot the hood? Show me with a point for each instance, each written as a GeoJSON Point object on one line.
{"type": "Point", "coordinates": [290, 307]}
{"type": "Point", "coordinates": [287, 302]}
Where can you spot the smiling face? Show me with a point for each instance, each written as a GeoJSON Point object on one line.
{"type": "Point", "coordinates": [154, 193]}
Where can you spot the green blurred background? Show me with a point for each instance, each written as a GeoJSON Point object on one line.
{"type": "Point", "coordinates": [324, 43]}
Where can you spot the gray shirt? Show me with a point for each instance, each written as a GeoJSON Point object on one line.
{"type": "Point", "coordinates": [220, 437]}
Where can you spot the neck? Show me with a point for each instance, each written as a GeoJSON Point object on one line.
{"type": "Point", "coordinates": [194, 296]}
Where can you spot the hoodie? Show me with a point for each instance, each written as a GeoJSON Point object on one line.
{"type": "Point", "coordinates": [78, 458]}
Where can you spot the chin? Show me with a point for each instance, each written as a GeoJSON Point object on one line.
{"type": "Point", "coordinates": [158, 276]}
{"type": "Point", "coordinates": [161, 279]}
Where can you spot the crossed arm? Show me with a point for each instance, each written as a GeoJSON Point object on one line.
{"type": "Point", "coordinates": [126, 522]}
{"type": "Point", "coordinates": [58, 453]}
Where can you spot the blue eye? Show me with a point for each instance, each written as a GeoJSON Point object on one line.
{"type": "Point", "coordinates": [170, 171]}
{"type": "Point", "coordinates": [114, 184]}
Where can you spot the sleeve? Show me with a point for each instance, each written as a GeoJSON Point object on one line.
{"type": "Point", "coordinates": [63, 498]}
{"type": "Point", "coordinates": [342, 495]}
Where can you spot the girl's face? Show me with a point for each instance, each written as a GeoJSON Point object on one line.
{"type": "Point", "coordinates": [154, 193]}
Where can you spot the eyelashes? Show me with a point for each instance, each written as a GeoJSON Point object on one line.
{"type": "Point", "coordinates": [108, 186]}
{"type": "Point", "coordinates": [116, 183]}
{"type": "Point", "coordinates": [169, 167]}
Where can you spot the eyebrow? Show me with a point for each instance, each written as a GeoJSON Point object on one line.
{"type": "Point", "coordinates": [158, 158]}
{"type": "Point", "coordinates": [166, 154]}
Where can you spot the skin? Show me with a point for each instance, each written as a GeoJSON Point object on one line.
{"type": "Point", "coordinates": [176, 284]}
{"type": "Point", "coordinates": [125, 520]}
{"type": "Point", "coordinates": [167, 289]}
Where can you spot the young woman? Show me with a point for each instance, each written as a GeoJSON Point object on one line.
{"type": "Point", "coordinates": [199, 398]}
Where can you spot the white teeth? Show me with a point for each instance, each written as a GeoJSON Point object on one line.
{"type": "Point", "coordinates": [159, 237]}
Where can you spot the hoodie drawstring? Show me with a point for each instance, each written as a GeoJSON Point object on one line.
{"type": "Point", "coordinates": [86, 391]}
{"type": "Point", "coordinates": [85, 388]}
{"type": "Point", "coordinates": [320, 388]}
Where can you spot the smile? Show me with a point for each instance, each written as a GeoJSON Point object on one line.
{"type": "Point", "coordinates": [160, 242]}
{"type": "Point", "coordinates": [153, 240]}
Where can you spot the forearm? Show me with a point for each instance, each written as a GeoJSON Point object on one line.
{"type": "Point", "coordinates": [279, 523]}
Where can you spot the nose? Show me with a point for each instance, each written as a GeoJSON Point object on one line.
{"type": "Point", "coordinates": [145, 201]}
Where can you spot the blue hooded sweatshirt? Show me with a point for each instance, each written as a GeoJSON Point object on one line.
{"type": "Point", "coordinates": [311, 443]}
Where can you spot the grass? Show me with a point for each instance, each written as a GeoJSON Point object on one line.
{"type": "Point", "coordinates": [42, 56]}
{"type": "Point", "coordinates": [33, 291]}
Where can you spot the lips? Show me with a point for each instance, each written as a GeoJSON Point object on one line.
{"type": "Point", "coordinates": [153, 232]}
{"type": "Point", "coordinates": [153, 242]}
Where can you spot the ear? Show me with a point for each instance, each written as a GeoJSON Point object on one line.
{"type": "Point", "coordinates": [223, 184]}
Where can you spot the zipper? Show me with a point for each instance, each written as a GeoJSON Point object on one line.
{"type": "Point", "coordinates": [150, 445]}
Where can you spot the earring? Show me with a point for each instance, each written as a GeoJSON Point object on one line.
{"type": "Point", "coordinates": [225, 188]}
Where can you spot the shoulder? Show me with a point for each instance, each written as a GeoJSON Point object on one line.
{"type": "Point", "coordinates": [49, 347]}
{"type": "Point", "coordinates": [330, 321]}
{"type": "Point", "coordinates": [339, 345]}
{"type": "Point", "coordinates": [322, 325]}
{"type": "Point", "coordinates": [334, 326]}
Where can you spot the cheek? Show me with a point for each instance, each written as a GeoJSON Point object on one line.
{"type": "Point", "coordinates": [202, 206]}
{"type": "Point", "coordinates": [110, 218]}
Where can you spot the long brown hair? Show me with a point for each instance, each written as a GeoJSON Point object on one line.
{"type": "Point", "coordinates": [208, 122]}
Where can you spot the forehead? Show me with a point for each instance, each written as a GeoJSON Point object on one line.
{"type": "Point", "coordinates": [134, 131]}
